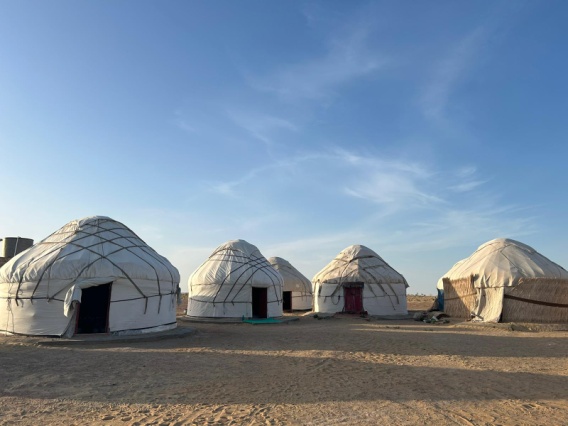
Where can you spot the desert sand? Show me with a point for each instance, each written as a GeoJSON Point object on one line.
{"type": "Point", "coordinates": [347, 370]}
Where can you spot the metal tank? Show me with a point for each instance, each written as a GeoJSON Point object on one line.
{"type": "Point", "coordinates": [11, 246]}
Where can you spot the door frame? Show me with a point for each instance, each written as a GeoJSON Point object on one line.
{"type": "Point", "coordinates": [78, 310]}
{"type": "Point", "coordinates": [287, 297]}
{"type": "Point", "coordinates": [347, 288]}
{"type": "Point", "coordinates": [259, 299]}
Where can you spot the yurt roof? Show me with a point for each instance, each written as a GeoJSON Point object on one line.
{"type": "Point", "coordinates": [88, 248]}
{"type": "Point", "coordinates": [358, 263]}
{"type": "Point", "coordinates": [502, 262]}
{"type": "Point", "coordinates": [236, 261]}
{"type": "Point", "coordinates": [294, 280]}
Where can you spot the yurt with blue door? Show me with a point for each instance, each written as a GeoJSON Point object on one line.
{"type": "Point", "coordinates": [94, 275]}
{"type": "Point", "coordinates": [358, 280]}
{"type": "Point", "coordinates": [236, 281]}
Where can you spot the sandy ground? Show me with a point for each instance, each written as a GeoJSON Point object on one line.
{"type": "Point", "coordinates": [345, 370]}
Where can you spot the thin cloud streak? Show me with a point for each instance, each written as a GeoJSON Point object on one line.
{"type": "Point", "coordinates": [449, 72]}
{"type": "Point", "coordinates": [346, 59]}
{"type": "Point", "coordinates": [261, 126]}
{"type": "Point", "coordinates": [467, 186]}
{"type": "Point", "coordinates": [392, 184]}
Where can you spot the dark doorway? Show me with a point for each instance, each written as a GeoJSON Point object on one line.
{"type": "Point", "coordinates": [93, 309]}
{"type": "Point", "coordinates": [353, 294]}
{"type": "Point", "coordinates": [259, 302]}
{"type": "Point", "coordinates": [287, 300]}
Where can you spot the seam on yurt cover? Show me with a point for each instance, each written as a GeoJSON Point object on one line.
{"type": "Point", "coordinates": [292, 271]}
{"type": "Point", "coordinates": [95, 229]}
{"type": "Point", "coordinates": [257, 266]}
{"type": "Point", "coordinates": [248, 263]}
{"type": "Point", "coordinates": [363, 270]}
{"type": "Point", "coordinates": [255, 262]}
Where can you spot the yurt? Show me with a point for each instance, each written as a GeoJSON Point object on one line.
{"type": "Point", "coordinates": [236, 281]}
{"type": "Point", "coordinates": [505, 280]}
{"type": "Point", "coordinates": [359, 280]}
{"type": "Point", "coordinates": [94, 275]}
{"type": "Point", "coordinates": [297, 290]}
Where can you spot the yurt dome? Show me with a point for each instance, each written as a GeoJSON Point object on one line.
{"type": "Point", "coordinates": [297, 290]}
{"type": "Point", "coordinates": [505, 276]}
{"type": "Point", "coordinates": [235, 281]}
{"type": "Point", "coordinates": [359, 280]}
{"type": "Point", "coordinates": [94, 275]}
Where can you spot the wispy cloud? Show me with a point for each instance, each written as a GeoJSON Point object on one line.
{"type": "Point", "coordinates": [452, 69]}
{"type": "Point", "coordinates": [391, 183]}
{"type": "Point", "coordinates": [182, 123]}
{"type": "Point", "coordinates": [467, 186]}
{"type": "Point", "coordinates": [346, 58]}
{"type": "Point", "coordinates": [230, 187]}
{"type": "Point", "coordinates": [261, 126]}
{"type": "Point", "coordinates": [456, 225]}
{"type": "Point", "coordinates": [391, 189]}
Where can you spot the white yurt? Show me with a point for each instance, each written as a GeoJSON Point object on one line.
{"type": "Point", "coordinates": [236, 281]}
{"type": "Point", "coordinates": [506, 280]}
{"type": "Point", "coordinates": [94, 275]}
{"type": "Point", "coordinates": [297, 290]}
{"type": "Point", "coordinates": [359, 280]}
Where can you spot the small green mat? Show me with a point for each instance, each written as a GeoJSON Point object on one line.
{"type": "Point", "coordinates": [262, 321]}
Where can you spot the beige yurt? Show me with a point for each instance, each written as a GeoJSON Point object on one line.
{"type": "Point", "coordinates": [359, 280]}
{"type": "Point", "coordinates": [505, 280]}
{"type": "Point", "coordinates": [236, 281]}
{"type": "Point", "coordinates": [94, 275]}
{"type": "Point", "coordinates": [297, 289]}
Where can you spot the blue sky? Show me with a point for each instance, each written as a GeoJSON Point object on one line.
{"type": "Point", "coordinates": [419, 129]}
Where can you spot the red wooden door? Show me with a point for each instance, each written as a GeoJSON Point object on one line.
{"type": "Point", "coordinates": [353, 299]}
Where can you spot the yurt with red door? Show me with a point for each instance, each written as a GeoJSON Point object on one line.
{"type": "Point", "coordinates": [358, 280]}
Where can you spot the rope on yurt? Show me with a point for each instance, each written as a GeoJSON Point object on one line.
{"type": "Point", "coordinates": [373, 280]}
{"type": "Point", "coordinates": [95, 229]}
{"type": "Point", "coordinates": [258, 264]}
{"type": "Point", "coordinates": [248, 263]}
{"type": "Point", "coordinates": [231, 255]}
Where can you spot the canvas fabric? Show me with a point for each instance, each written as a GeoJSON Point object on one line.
{"type": "Point", "coordinates": [222, 285]}
{"type": "Point", "coordinates": [295, 282]}
{"type": "Point", "coordinates": [384, 290]}
{"type": "Point", "coordinates": [498, 265]}
{"type": "Point", "coordinates": [41, 287]}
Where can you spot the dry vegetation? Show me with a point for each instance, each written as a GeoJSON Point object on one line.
{"type": "Point", "coordinates": [307, 372]}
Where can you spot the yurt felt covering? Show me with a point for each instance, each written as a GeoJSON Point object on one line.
{"type": "Point", "coordinates": [41, 287]}
{"type": "Point", "coordinates": [384, 289]}
{"type": "Point", "coordinates": [223, 285]}
{"type": "Point", "coordinates": [294, 282]}
{"type": "Point", "coordinates": [504, 269]}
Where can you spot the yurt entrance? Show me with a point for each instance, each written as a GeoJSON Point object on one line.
{"type": "Point", "coordinates": [93, 309]}
{"type": "Point", "coordinates": [259, 302]}
{"type": "Point", "coordinates": [353, 296]}
{"type": "Point", "coordinates": [287, 300]}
